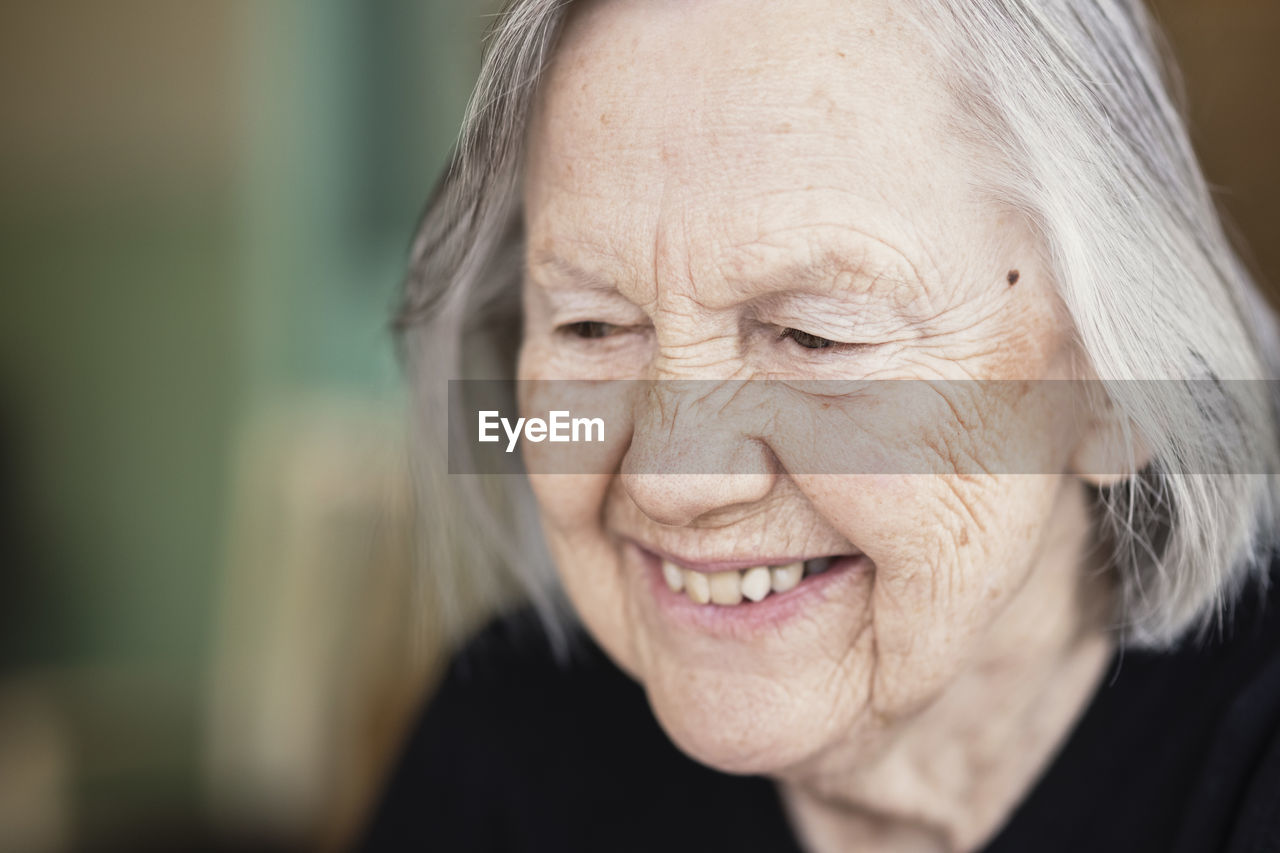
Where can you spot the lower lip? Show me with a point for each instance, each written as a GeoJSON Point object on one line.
{"type": "Point", "coordinates": [748, 617]}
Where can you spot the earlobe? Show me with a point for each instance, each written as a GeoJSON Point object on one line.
{"type": "Point", "coordinates": [1110, 450]}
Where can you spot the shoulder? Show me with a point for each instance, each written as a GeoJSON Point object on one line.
{"type": "Point", "coordinates": [518, 750]}
{"type": "Point", "coordinates": [1179, 750]}
{"type": "Point", "coordinates": [1235, 802]}
{"type": "Point", "coordinates": [492, 734]}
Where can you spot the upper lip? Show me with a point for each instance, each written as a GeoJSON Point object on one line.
{"type": "Point", "coordinates": [730, 564]}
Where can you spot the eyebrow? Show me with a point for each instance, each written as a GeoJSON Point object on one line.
{"type": "Point", "coordinates": [827, 268]}
{"type": "Point", "coordinates": [564, 270]}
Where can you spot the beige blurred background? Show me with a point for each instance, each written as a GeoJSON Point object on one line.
{"type": "Point", "coordinates": [211, 635]}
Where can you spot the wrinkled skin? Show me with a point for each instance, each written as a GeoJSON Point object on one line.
{"type": "Point", "coordinates": [684, 163]}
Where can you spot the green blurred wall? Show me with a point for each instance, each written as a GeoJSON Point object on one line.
{"type": "Point", "coordinates": [204, 209]}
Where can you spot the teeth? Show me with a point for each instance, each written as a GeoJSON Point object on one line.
{"type": "Point", "coordinates": [730, 588]}
{"type": "Point", "coordinates": [756, 583]}
{"type": "Point", "coordinates": [673, 576]}
{"type": "Point", "coordinates": [786, 577]}
{"type": "Point", "coordinates": [698, 587]}
{"type": "Point", "coordinates": [726, 588]}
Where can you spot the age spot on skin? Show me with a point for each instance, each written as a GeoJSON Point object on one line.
{"type": "Point", "coordinates": [1012, 277]}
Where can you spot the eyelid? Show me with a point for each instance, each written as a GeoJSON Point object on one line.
{"type": "Point", "coordinates": [570, 298]}
{"type": "Point", "coordinates": [578, 318]}
{"type": "Point", "coordinates": [578, 330]}
{"type": "Point", "coordinates": [588, 307]}
{"type": "Point", "coordinates": [573, 328]}
{"type": "Point", "coordinates": [789, 332]}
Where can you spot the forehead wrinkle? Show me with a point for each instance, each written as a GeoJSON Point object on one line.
{"type": "Point", "coordinates": [554, 272]}
{"type": "Point", "coordinates": [561, 273]}
{"type": "Point", "coordinates": [823, 275]}
{"type": "Point", "coordinates": [831, 272]}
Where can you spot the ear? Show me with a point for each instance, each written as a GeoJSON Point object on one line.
{"type": "Point", "coordinates": [1110, 449]}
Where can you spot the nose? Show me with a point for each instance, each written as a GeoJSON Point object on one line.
{"type": "Point", "coordinates": [695, 452]}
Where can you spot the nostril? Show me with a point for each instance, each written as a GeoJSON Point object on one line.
{"type": "Point", "coordinates": [681, 499]}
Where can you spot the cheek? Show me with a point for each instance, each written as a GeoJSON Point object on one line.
{"type": "Point", "coordinates": [587, 560]}
{"type": "Point", "coordinates": [949, 553]}
{"type": "Point", "coordinates": [571, 483]}
{"type": "Point", "coordinates": [569, 504]}
{"type": "Point", "coordinates": [569, 508]}
{"type": "Point", "coordinates": [571, 478]}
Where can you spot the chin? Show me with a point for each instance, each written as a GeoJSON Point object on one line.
{"type": "Point", "coordinates": [740, 723]}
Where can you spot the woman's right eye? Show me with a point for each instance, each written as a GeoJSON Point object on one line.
{"type": "Point", "coordinates": [808, 340]}
{"type": "Point", "coordinates": [588, 329]}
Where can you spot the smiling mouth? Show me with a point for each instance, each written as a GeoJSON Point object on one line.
{"type": "Point", "coordinates": [727, 589]}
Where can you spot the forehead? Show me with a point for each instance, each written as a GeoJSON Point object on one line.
{"type": "Point", "coordinates": [712, 132]}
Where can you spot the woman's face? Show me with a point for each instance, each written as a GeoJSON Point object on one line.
{"type": "Point", "coordinates": [713, 191]}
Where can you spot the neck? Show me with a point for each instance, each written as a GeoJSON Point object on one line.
{"type": "Point", "coordinates": [950, 776]}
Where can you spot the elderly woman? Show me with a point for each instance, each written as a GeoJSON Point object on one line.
{"type": "Point", "coordinates": [934, 501]}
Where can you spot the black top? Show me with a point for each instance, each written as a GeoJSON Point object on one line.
{"type": "Point", "coordinates": [1177, 751]}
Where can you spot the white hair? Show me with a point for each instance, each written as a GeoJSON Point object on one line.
{"type": "Point", "coordinates": [1069, 104]}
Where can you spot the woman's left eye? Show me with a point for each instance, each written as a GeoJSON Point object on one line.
{"type": "Point", "coordinates": [588, 329]}
{"type": "Point", "coordinates": [807, 340]}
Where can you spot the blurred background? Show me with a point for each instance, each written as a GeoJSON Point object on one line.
{"type": "Point", "coordinates": [211, 635]}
